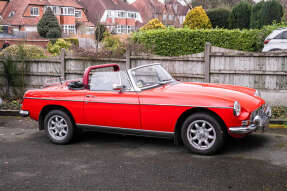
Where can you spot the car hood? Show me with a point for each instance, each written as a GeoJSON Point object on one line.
{"type": "Point", "coordinates": [209, 95]}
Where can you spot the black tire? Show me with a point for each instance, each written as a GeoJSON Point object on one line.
{"type": "Point", "coordinates": [67, 124]}
{"type": "Point", "coordinates": [194, 124]}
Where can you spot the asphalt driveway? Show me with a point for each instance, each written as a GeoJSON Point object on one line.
{"type": "Point", "coordinates": [28, 161]}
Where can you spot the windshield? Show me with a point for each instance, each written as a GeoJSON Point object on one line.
{"type": "Point", "coordinates": [150, 76]}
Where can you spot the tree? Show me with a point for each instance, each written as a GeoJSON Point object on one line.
{"type": "Point", "coordinates": [240, 16]}
{"type": "Point", "coordinates": [219, 17]}
{"type": "Point", "coordinates": [271, 11]}
{"type": "Point", "coordinates": [48, 26]}
{"type": "Point", "coordinates": [99, 32]}
{"type": "Point", "coordinates": [152, 24]}
{"type": "Point", "coordinates": [197, 19]}
{"type": "Point", "coordinates": [256, 14]}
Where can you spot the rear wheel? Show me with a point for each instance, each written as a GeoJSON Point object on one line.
{"type": "Point", "coordinates": [202, 134]}
{"type": "Point", "coordinates": [59, 127]}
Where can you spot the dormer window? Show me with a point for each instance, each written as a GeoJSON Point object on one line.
{"type": "Point", "coordinates": [78, 13]}
{"type": "Point", "coordinates": [34, 11]}
{"type": "Point", "coordinates": [68, 11]}
{"type": "Point", "coordinates": [11, 14]}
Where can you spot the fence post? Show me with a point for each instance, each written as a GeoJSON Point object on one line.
{"type": "Point", "coordinates": [207, 52]}
{"type": "Point", "coordinates": [63, 63]}
{"type": "Point", "coordinates": [128, 59]}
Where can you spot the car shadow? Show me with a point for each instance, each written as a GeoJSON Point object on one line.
{"type": "Point", "coordinates": [232, 145]}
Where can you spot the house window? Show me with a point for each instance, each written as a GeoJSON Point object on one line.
{"type": "Point", "coordinates": [164, 17]}
{"type": "Point", "coordinates": [122, 14]}
{"type": "Point", "coordinates": [55, 9]}
{"type": "Point", "coordinates": [69, 29]}
{"type": "Point", "coordinates": [132, 15]}
{"type": "Point", "coordinates": [78, 13]}
{"type": "Point", "coordinates": [68, 11]}
{"type": "Point", "coordinates": [121, 29]}
{"type": "Point", "coordinates": [11, 14]}
{"type": "Point", "coordinates": [170, 17]}
{"type": "Point", "coordinates": [34, 11]}
{"type": "Point", "coordinates": [131, 29]}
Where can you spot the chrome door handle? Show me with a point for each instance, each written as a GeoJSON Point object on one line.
{"type": "Point", "coordinates": [90, 96]}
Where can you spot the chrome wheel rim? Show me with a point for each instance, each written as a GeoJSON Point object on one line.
{"type": "Point", "coordinates": [58, 127]}
{"type": "Point", "coordinates": [201, 134]}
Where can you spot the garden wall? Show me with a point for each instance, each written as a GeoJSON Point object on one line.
{"type": "Point", "coordinates": [266, 72]}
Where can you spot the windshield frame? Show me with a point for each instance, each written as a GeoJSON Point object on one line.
{"type": "Point", "coordinates": [130, 71]}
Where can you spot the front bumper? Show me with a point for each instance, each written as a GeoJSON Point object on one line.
{"type": "Point", "coordinates": [24, 113]}
{"type": "Point", "coordinates": [260, 121]}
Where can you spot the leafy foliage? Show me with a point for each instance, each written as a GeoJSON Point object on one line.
{"type": "Point", "coordinates": [56, 48]}
{"type": "Point", "coordinates": [197, 19]}
{"type": "Point", "coordinates": [113, 43]}
{"type": "Point", "coordinates": [27, 51]}
{"type": "Point", "coordinates": [153, 24]}
{"type": "Point", "coordinates": [240, 16]}
{"type": "Point", "coordinates": [271, 11]}
{"type": "Point", "coordinates": [48, 26]}
{"type": "Point", "coordinates": [219, 17]}
{"type": "Point", "coordinates": [256, 14]}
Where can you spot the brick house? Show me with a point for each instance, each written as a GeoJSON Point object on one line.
{"type": "Point", "coordinates": [24, 15]}
{"type": "Point", "coordinates": [170, 12]}
{"type": "Point", "coordinates": [117, 15]}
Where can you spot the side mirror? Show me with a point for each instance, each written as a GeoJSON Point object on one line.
{"type": "Point", "coordinates": [118, 87]}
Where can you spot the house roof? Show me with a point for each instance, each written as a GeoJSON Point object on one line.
{"type": "Point", "coordinates": [19, 7]}
{"type": "Point", "coordinates": [96, 8]}
{"type": "Point", "coordinates": [2, 5]}
{"type": "Point", "coordinates": [148, 8]}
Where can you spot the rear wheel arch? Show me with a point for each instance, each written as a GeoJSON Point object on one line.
{"type": "Point", "coordinates": [189, 112]}
{"type": "Point", "coordinates": [48, 108]}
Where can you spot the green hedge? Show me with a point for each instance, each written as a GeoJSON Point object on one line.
{"type": "Point", "coordinates": [183, 41]}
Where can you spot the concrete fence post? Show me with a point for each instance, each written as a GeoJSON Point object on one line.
{"type": "Point", "coordinates": [63, 63]}
{"type": "Point", "coordinates": [207, 52]}
{"type": "Point", "coordinates": [128, 59]}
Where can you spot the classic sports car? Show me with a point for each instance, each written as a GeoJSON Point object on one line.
{"type": "Point", "coordinates": [146, 101]}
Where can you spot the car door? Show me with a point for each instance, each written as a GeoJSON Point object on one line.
{"type": "Point", "coordinates": [280, 41]}
{"type": "Point", "coordinates": [105, 107]}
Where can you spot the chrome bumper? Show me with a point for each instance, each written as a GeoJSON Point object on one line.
{"type": "Point", "coordinates": [24, 113]}
{"type": "Point", "coordinates": [260, 121]}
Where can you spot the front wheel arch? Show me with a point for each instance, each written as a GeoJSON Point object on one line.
{"type": "Point", "coordinates": [189, 112]}
{"type": "Point", "coordinates": [48, 108]}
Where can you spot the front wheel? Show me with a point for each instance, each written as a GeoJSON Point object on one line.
{"type": "Point", "coordinates": [59, 127]}
{"type": "Point", "coordinates": [202, 134]}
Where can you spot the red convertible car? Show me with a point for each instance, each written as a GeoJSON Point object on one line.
{"type": "Point", "coordinates": [146, 101]}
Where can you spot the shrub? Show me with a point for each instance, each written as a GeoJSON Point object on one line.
{"type": "Point", "coordinates": [219, 17]}
{"type": "Point", "coordinates": [26, 51]}
{"type": "Point", "coordinates": [271, 11]}
{"type": "Point", "coordinates": [256, 13]}
{"type": "Point", "coordinates": [197, 19]}
{"type": "Point", "coordinates": [48, 26]}
{"type": "Point", "coordinates": [114, 44]}
{"type": "Point", "coordinates": [178, 42]}
{"type": "Point", "coordinates": [240, 16]}
{"type": "Point", "coordinates": [153, 24]}
{"type": "Point", "coordinates": [73, 41]}
{"type": "Point", "coordinates": [56, 48]}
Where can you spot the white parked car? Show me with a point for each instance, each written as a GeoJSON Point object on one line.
{"type": "Point", "coordinates": [276, 41]}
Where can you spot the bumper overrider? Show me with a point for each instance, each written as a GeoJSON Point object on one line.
{"type": "Point", "coordinates": [24, 113]}
{"type": "Point", "coordinates": [259, 120]}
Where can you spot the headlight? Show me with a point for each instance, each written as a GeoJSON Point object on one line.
{"type": "Point", "coordinates": [236, 108]}
{"type": "Point", "coordinates": [257, 93]}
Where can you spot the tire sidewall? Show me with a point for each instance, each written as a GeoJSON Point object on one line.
{"type": "Point", "coordinates": [71, 129]}
{"type": "Point", "coordinates": [218, 130]}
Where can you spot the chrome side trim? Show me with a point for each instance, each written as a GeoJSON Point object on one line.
{"type": "Point", "coordinates": [132, 103]}
{"type": "Point", "coordinates": [24, 113]}
{"type": "Point", "coordinates": [119, 130]}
